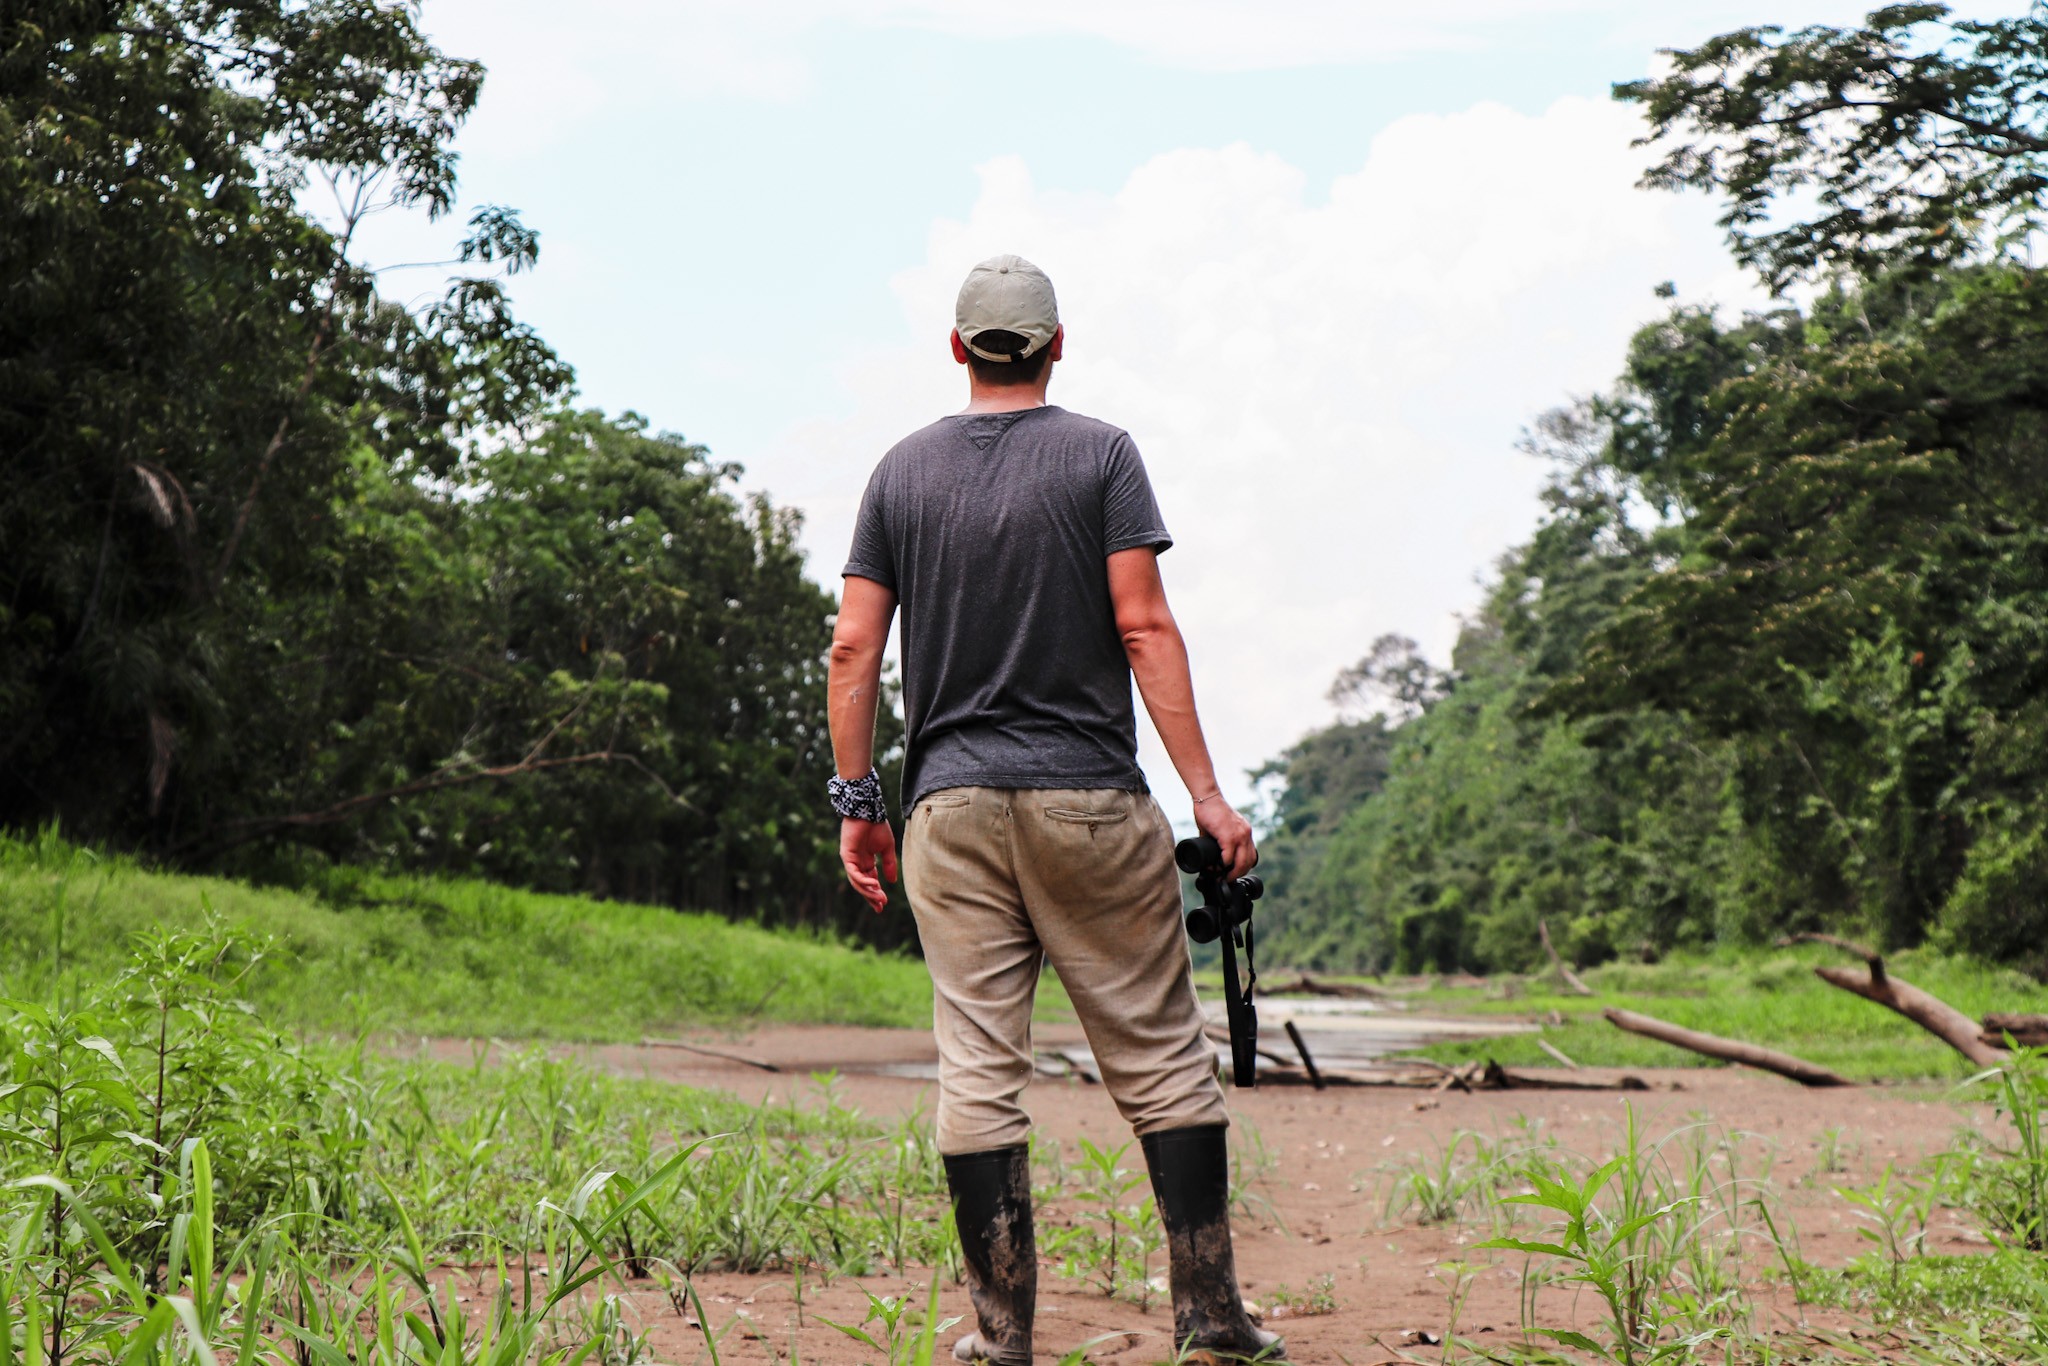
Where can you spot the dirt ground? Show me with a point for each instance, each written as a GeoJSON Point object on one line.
{"type": "Point", "coordinates": [1327, 1191]}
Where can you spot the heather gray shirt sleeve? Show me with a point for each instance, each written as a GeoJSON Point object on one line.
{"type": "Point", "coordinates": [1130, 514]}
{"type": "Point", "coordinates": [872, 556]}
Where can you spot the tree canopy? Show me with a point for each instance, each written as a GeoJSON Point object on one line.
{"type": "Point", "coordinates": [1775, 659]}
{"type": "Point", "coordinates": [1921, 140]}
{"type": "Point", "coordinates": [295, 576]}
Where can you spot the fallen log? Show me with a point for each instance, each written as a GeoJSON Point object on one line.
{"type": "Point", "coordinates": [1474, 1076]}
{"type": "Point", "coordinates": [1304, 985]}
{"type": "Point", "coordinates": [1930, 1012]}
{"type": "Point", "coordinates": [1582, 1079]}
{"type": "Point", "coordinates": [1564, 974]}
{"type": "Point", "coordinates": [1391, 1077]}
{"type": "Point", "coordinates": [1925, 1009]}
{"type": "Point", "coordinates": [1727, 1050]}
{"type": "Point", "coordinates": [2028, 1031]}
{"type": "Point", "coordinates": [1558, 1053]}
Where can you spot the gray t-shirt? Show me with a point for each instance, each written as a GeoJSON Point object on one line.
{"type": "Point", "coordinates": [992, 529]}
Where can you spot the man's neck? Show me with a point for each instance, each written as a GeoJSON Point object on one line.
{"type": "Point", "coordinates": [1003, 398]}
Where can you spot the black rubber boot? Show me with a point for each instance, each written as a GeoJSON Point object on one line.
{"type": "Point", "coordinates": [1191, 1180]}
{"type": "Point", "coordinates": [992, 1210]}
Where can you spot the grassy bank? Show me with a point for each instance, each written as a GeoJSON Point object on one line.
{"type": "Point", "coordinates": [1770, 998]}
{"type": "Point", "coordinates": [186, 1183]}
{"type": "Point", "coordinates": [430, 956]}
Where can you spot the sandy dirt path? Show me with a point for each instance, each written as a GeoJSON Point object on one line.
{"type": "Point", "coordinates": [1334, 1156]}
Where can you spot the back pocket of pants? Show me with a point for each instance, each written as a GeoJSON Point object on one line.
{"type": "Point", "coordinates": [1094, 820]}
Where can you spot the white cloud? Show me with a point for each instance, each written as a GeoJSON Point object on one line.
{"type": "Point", "coordinates": [557, 68]}
{"type": "Point", "coordinates": [1326, 393]}
{"type": "Point", "coordinates": [553, 64]}
{"type": "Point", "coordinates": [1234, 35]}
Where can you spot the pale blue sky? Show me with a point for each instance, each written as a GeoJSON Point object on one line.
{"type": "Point", "coordinates": [726, 243]}
{"type": "Point", "coordinates": [1324, 318]}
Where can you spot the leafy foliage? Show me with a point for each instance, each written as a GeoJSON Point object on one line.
{"type": "Point", "coordinates": [1111, 1243]}
{"type": "Point", "coordinates": [582, 664]}
{"type": "Point", "coordinates": [297, 576]}
{"type": "Point", "coordinates": [1772, 662]}
{"type": "Point", "coordinates": [1922, 139]}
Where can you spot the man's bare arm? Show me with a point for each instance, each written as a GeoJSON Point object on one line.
{"type": "Point", "coordinates": [854, 681]}
{"type": "Point", "coordinates": [1159, 662]}
{"type": "Point", "coordinates": [853, 687]}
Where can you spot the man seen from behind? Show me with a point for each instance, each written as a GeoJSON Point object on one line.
{"type": "Point", "coordinates": [1021, 543]}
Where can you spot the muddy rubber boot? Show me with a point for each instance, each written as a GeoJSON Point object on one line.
{"type": "Point", "coordinates": [992, 1210]}
{"type": "Point", "coordinates": [1191, 1180]}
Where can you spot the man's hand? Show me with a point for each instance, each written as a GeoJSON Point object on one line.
{"type": "Point", "coordinates": [1217, 819]}
{"type": "Point", "coordinates": [868, 848]}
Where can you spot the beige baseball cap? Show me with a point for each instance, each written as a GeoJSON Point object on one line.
{"type": "Point", "coordinates": [1006, 294]}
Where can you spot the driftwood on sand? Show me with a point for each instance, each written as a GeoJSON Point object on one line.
{"type": "Point", "coordinates": [1424, 1075]}
{"type": "Point", "coordinates": [1923, 1008]}
{"type": "Point", "coordinates": [1412, 1073]}
{"type": "Point", "coordinates": [1727, 1050]}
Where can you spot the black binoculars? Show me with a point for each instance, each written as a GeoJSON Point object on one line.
{"type": "Point", "coordinates": [1226, 914]}
{"type": "Point", "coordinates": [1232, 906]}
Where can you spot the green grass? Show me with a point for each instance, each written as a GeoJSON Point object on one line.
{"type": "Point", "coordinates": [444, 957]}
{"type": "Point", "coordinates": [1769, 998]}
{"type": "Point", "coordinates": [1654, 1248]}
{"type": "Point", "coordinates": [337, 1185]}
{"type": "Point", "coordinates": [182, 1183]}
{"type": "Point", "coordinates": [185, 1183]}
{"type": "Point", "coordinates": [1763, 997]}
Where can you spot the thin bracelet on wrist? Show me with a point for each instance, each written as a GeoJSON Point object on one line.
{"type": "Point", "coordinates": [1211, 797]}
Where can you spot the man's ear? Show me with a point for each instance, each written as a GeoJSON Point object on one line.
{"type": "Point", "coordinates": [959, 348]}
{"type": "Point", "coordinates": [1059, 340]}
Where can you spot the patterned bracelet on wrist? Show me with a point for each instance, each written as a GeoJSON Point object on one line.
{"type": "Point", "coordinates": [859, 800]}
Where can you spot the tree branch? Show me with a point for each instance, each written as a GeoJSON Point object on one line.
{"type": "Point", "coordinates": [1923, 1008]}
{"type": "Point", "coordinates": [565, 719]}
{"type": "Point", "coordinates": [1867, 954]}
{"type": "Point", "coordinates": [2023, 143]}
{"type": "Point", "coordinates": [354, 216]}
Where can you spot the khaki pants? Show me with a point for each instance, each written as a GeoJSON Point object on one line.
{"type": "Point", "coordinates": [1002, 880]}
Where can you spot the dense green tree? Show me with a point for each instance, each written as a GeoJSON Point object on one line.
{"type": "Point", "coordinates": [1485, 818]}
{"type": "Point", "coordinates": [191, 364]}
{"type": "Point", "coordinates": [293, 578]}
{"type": "Point", "coordinates": [581, 663]}
{"type": "Point", "coordinates": [1775, 657]}
{"type": "Point", "coordinates": [1309, 791]}
{"type": "Point", "coordinates": [1856, 606]}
